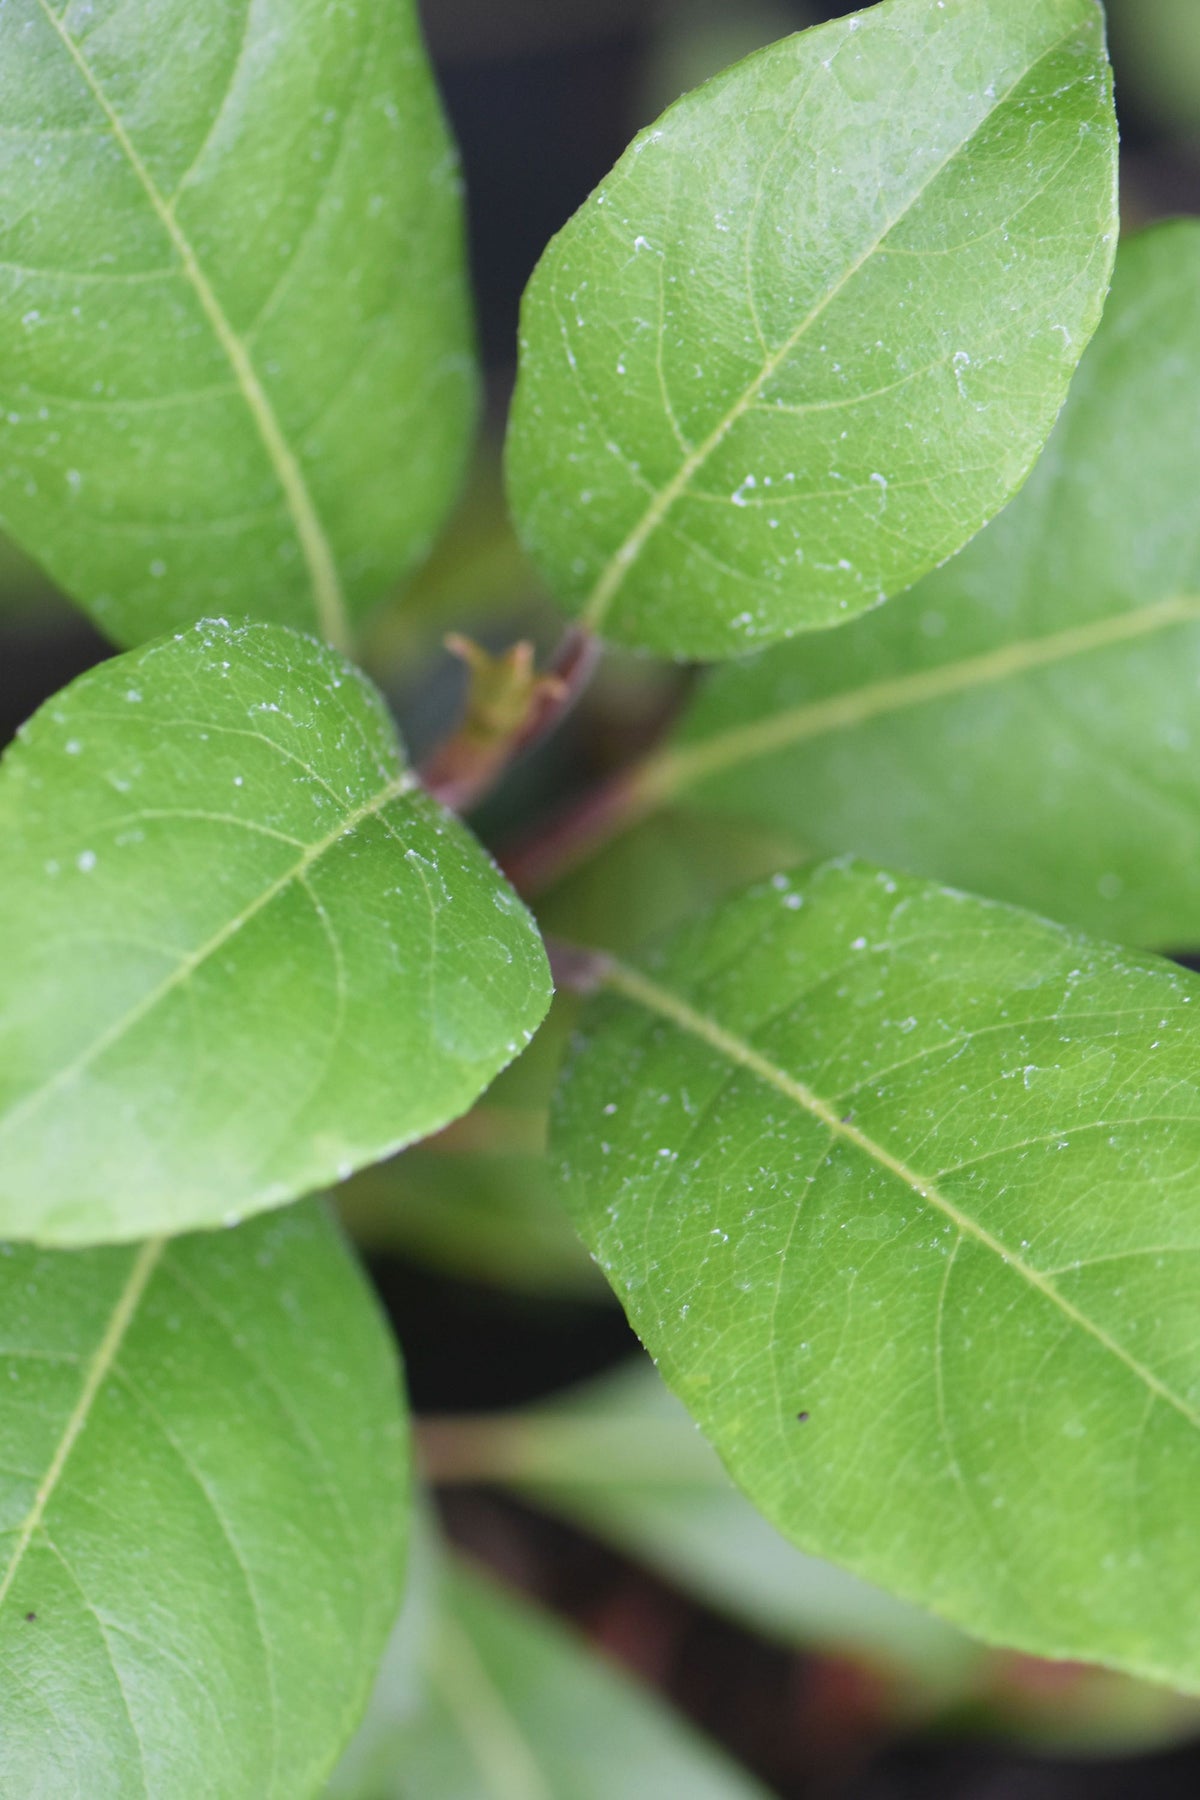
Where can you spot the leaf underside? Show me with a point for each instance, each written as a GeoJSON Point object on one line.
{"type": "Point", "coordinates": [898, 1187]}
{"type": "Point", "coordinates": [514, 1705]}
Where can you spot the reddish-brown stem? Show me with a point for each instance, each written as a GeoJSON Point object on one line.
{"type": "Point", "coordinates": [581, 827]}
{"type": "Point", "coordinates": [510, 709]}
{"type": "Point", "coordinates": [573, 835]}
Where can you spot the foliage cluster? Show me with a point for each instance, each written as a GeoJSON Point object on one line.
{"type": "Point", "coordinates": [890, 1156]}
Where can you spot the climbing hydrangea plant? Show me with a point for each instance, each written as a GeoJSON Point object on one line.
{"type": "Point", "coordinates": [894, 1179]}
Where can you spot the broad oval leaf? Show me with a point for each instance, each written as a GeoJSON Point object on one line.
{"type": "Point", "coordinates": [236, 372]}
{"type": "Point", "coordinates": [1025, 722]}
{"type": "Point", "coordinates": [899, 1188]}
{"type": "Point", "coordinates": [499, 1701]}
{"type": "Point", "coordinates": [241, 952]}
{"type": "Point", "coordinates": [813, 330]}
{"type": "Point", "coordinates": [202, 1512]}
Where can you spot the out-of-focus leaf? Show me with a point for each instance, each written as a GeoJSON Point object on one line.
{"type": "Point", "coordinates": [493, 1217]}
{"type": "Point", "coordinates": [658, 874]}
{"type": "Point", "coordinates": [1157, 46]}
{"type": "Point", "coordinates": [620, 1458]}
{"type": "Point", "coordinates": [517, 1708]}
{"type": "Point", "coordinates": [24, 589]}
{"type": "Point", "coordinates": [697, 39]}
{"type": "Point", "coordinates": [478, 572]}
{"type": "Point", "coordinates": [399, 1698]}
{"type": "Point", "coordinates": [481, 1200]}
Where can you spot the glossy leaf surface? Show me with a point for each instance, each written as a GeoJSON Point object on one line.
{"type": "Point", "coordinates": [1024, 722]}
{"type": "Point", "coordinates": [510, 1705]}
{"type": "Point", "coordinates": [202, 1513]}
{"type": "Point", "coordinates": [241, 953]}
{"type": "Point", "coordinates": [813, 330]}
{"type": "Point", "coordinates": [899, 1188]}
{"type": "Point", "coordinates": [236, 371]}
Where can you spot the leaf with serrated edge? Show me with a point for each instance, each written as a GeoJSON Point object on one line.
{"type": "Point", "coordinates": [516, 1706]}
{"type": "Point", "coordinates": [202, 1512]}
{"type": "Point", "coordinates": [898, 1187]}
{"type": "Point", "coordinates": [237, 370]}
{"type": "Point", "coordinates": [1024, 722]}
{"type": "Point", "coordinates": [242, 953]}
{"type": "Point", "coordinates": [812, 332]}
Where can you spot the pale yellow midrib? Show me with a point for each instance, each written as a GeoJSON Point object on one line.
{"type": "Point", "coordinates": [602, 595]}
{"type": "Point", "coordinates": [667, 774]}
{"type": "Point", "coordinates": [144, 1265]}
{"type": "Point", "coordinates": [328, 599]}
{"type": "Point", "coordinates": [498, 1746]}
{"type": "Point", "coordinates": [646, 993]}
{"type": "Point", "coordinates": [403, 784]}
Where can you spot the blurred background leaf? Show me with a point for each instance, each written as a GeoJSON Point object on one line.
{"type": "Point", "coordinates": [483, 1697]}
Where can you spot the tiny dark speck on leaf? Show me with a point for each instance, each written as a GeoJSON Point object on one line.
{"type": "Point", "coordinates": [29, 1618]}
{"type": "Point", "coordinates": [846, 1118]}
{"type": "Point", "coordinates": [802, 1418]}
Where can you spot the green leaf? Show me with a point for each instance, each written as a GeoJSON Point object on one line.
{"type": "Point", "coordinates": [202, 1513]}
{"type": "Point", "coordinates": [1023, 723]}
{"type": "Point", "coordinates": [517, 1708]}
{"type": "Point", "coordinates": [241, 952]}
{"type": "Point", "coordinates": [620, 1457]}
{"type": "Point", "coordinates": [813, 330]}
{"type": "Point", "coordinates": [236, 369]}
{"type": "Point", "coordinates": [898, 1187]}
